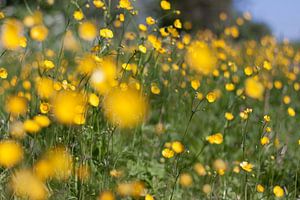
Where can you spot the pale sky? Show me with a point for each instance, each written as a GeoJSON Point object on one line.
{"type": "Point", "coordinates": [283, 16]}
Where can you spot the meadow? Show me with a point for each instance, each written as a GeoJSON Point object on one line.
{"type": "Point", "coordinates": [101, 102]}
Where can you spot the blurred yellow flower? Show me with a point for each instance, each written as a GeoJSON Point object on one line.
{"type": "Point", "coordinates": [126, 4]}
{"type": "Point", "coordinates": [165, 5]}
{"type": "Point", "coordinates": [78, 15]}
{"type": "Point", "coordinates": [254, 89]}
{"type": "Point", "coordinates": [291, 111]}
{"type": "Point", "coordinates": [106, 195]}
{"type": "Point", "coordinates": [3, 73]}
{"type": "Point", "coordinates": [278, 191]}
{"type": "Point", "coordinates": [185, 180]}
{"type": "Point", "coordinates": [229, 116]}
{"type": "Point", "coordinates": [167, 153]}
{"type": "Point", "coordinates": [11, 153]}
{"type": "Point", "coordinates": [106, 33]}
{"type": "Point", "coordinates": [264, 140]}
{"type": "Point", "coordinates": [201, 58]}
{"type": "Point", "coordinates": [26, 185]}
{"type": "Point", "coordinates": [39, 33]}
{"type": "Point", "coordinates": [125, 108]}
{"type": "Point", "coordinates": [211, 97]}
{"type": "Point", "coordinates": [215, 138]}
{"type": "Point", "coordinates": [177, 147]}
{"type": "Point", "coordinates": [16, 105]}
{"type": "Point", "coordinates": [11, 34]}
{"type": "Point", "coordinates": [87, 31]}
{"type": "Point", "coordinates": [260, 188]}
{"type": "Point", "coordinates": [69, 107]}
{"type": "Point", "coordinates": [246, 166]}
{"type": "Point", "coordinates": [31, 126]}
{"type": "Point", "coordinates": [94, 100]}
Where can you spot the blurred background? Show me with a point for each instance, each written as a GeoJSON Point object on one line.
{"type": "Point", "coordinates": [278, 17]}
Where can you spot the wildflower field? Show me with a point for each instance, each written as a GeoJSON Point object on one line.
{"type": "Point", "coordinates": [99, 101]}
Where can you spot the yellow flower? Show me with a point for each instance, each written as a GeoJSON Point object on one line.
{"type": "Point", "coordinates": [150, 21]}
{"type": "Point", "coordinates": [229, 86]}
{"type": "Point", "coordinates": [149, 197]}
{"type": "Point", "coordinates": [3, 73]}
{"type": "Point", "coordinates": [48, 64]}
{"type": "Point", "coordinates": [177, 24]}
{"type": "Point", "coordinates": [206, 188]}
{"type": "Point", "coordinates": [200, 58]}
{"type": "Point", "coordinates": [254, 88]}
{"type": "Point", "coordinates": [39, 33]}
{"type": "Point", "coordinates": [278, 84]}
{"type": "Point", "coordinates": [16, 105]}
{"type": "Point", "coordinates": [291, 111]}
{"type": "Point", "coordinates": [44, 108]}
{"type": "Point", "coordinates": [246, 166]}
{"type": "Point", "coordinates": [106, 195]}
{"type": "Point", "coordinates": [167, 153]}
{"type": "Point", "coordinates": [94, 100]}
{"type": "Point", "coordinates": [126, 4]}
{"type": "Point", "coordinates": [103, 77]}
{"type": "Point", "coordinates": [98, 3]}
{"type": "Point", "coordinates": [211, 97]}
{"type": "Point", "coordinates": [2, 15]}
{"type": "Point", "coordinates": [286, 99]}
{"type": "Point", "coordinates": [78, 15]}
{"type": "Point", "coordinates": [278, 191]}
{"type": "Point", "coordinates": [220, 166]}
{"type": "Point", "coordinates": [44, 87]}
{"type": "Point", "coordinates": [248, 71]}
{"type": "Point", "coordinates": [87, 31]}
{"type": "Point", "coordinates": [142, 27]}
{"type": "Point", "coordinates": [61, 163]}
{"type": "Point", "coordinates": [229, 116]}
{"type": "Point", "coordinates": [185, 180]}
{"type": "Point", "coordinates": [69, 107]}
{"type": "Point", "coordinates": [215, 138]}
{"type": "Point", "coordinates": [267, 118]}
{"type": "Point", "coordinates": [42, 120]}
{"type": "Point", "coordinates": [106, 33]}
{"type": "Point", "coordinates": [43, 170]}
{"type": "Point", "coordinates": [11, 34]}
{"type": "Point", "coordinates": [260, 188]}
{"type": "Point", "coordinates": [125, 108]}
{"type": "Point", "coordinates": [31, 126]}
{"type": "Point", "coordinates": [165, 5]}
{"type": "Point", "coordinates": [27, 186]}
{"type": "Point", "coordinates": [195, 84]}
{"type": "Point", "coordinates": [267, 65]}
{"type": "Point", "coordinates": [200, 169]}
{"type": "Point", "coordinates": [142, 49]}
{"type": "Point", "coordinates": [264, 140]}
{"type": "Point", "coordinates": [155, 89]}
{"type": "Point", "coordinates": [11, 153]}
{"type": "Point", "coordinates": [177, 147]}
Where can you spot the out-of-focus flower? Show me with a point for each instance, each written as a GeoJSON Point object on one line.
{"type": "Point", "coordinates": [254, 89]}
{"type": "Point", "coordinates": [11, 34]}
{"type": "Point", "coordinates": [11, 153]}
{"type": "Point", "coordinates": [26, 185]}
{"type": "Point", "coordinates": [87, 31]}
{"type": "Point", "coordinates": [125, 108]}
{"type": "Point", "coordinates": [201, 58]}
{"type": "Point", "coordinates": [69, 107]}
{"type": "Point", "coordinates": [215, 138]}
{"type": "Point", "coordinates": [16, 105]}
